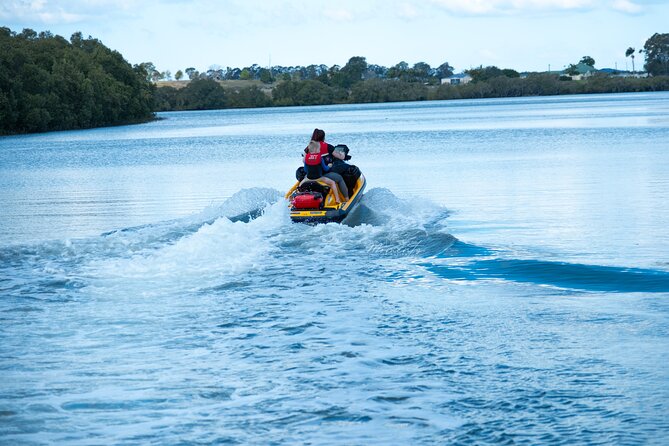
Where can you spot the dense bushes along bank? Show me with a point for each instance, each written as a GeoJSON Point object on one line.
{"type": "Point", "coordinates": [48, 83]}
{"type": "Point", "coordinates": [206, 94]}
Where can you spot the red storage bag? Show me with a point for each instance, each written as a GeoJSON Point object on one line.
{"type": "Point", "coordinates": [308, 201]}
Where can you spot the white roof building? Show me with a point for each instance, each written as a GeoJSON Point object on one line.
{"type": "Point", "coordinates": [457, 79]}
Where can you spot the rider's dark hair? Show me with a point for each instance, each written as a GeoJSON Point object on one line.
{"type": "Point", "coordinates": [318, 135]}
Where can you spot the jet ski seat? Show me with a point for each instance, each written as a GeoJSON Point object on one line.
{"type": "Point", "coordinates": [313, 186]}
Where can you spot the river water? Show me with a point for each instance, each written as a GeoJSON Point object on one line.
{"type": "Point", "coordinates": [505, 278]}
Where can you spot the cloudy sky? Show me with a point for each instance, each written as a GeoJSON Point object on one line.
{"type": "Point", "coordinates": [519, 34]}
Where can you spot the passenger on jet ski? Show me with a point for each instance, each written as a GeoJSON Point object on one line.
{"type": "Point", "coordinates": [327, 152]}
{"type": "Point", "coordinates": [316, 168]}
{"type": "Point", "coordinates": [349, 172]}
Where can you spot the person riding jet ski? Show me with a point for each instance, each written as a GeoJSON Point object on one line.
{"type": "Point", "coordinates": [326, 151]}
{"type": "Point", "coordinates": [316, 168]}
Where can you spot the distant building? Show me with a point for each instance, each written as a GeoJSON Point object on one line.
{"type": "Point", "coordinates": [584, 71]}
{"type": "Point", "coordinates": [457, 79]}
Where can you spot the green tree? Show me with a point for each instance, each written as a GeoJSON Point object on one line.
{"type": "Point", "coordinates": [399, 71]}
{"type": "Point", "coordinates": [29, 34]}
{"type": "Point", "coordinates": [76, 39]}
{"type": "Point", "coordinates": [353, 71]}
{"type": "Point", "coordinates": [285, 92]}
{"type": "Point", "coordinates": [571, 70]}
{"type": "Point", "coordinates": [146, 69]}
{"type": "Point", "coordinates": [656, 49]}
{"type": "Point", "coordinates": [444, 70]}
{"type": "Point", "coordinates": [178, 75]}
{"type": "Point", "coordinates": [203, 94]}
{"type": "Point", "coordinates": [192, 73]}
{"type": "Point", "coordinates": [266, 76]}
{"type": "Point", "coordinates": [630, 53]}
{"type": "Point", "coordinates": [309, 72]}
{"type": "Point", "coordinates": [388, 90]}
{"type": "Point", "coordinates": [587, 60]}
{"type": "Point", "coordinates": [335, 76]}
{"type": "Point", "coordinates": [247, 97]}
{"type": "Point", "coordinates": [508, 72]}
{"type": "Point", "coordinates": [420, 72]}
{"type": "Point", "coordinates": [150, 72]}
{"type": "Point", "coordinates": [482, 74]}
{"type": "Point", "coordinates": [48, 83]}
{"type": "Point", "coordinates": [166, 99]}
{"type": "Point", "coordinates": [313, 92]}
{"type": "Point", "coordinates": [308, 92]}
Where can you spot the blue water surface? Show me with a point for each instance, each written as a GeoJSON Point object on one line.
{"type": "Point", "coordinates": [505, 278]}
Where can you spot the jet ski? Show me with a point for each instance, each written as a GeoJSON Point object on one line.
{"type": "Point", "coordinates": [314, 202]}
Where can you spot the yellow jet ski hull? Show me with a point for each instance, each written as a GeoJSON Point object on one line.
{"type": "Point", "coordinates": [329, 210]}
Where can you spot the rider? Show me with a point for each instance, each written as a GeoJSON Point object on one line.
{"type": "Point", "coordinates": [327, 152]}
{"type": "Point", "coordinates": [316, 168]}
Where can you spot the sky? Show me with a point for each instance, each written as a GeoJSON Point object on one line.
{"type": "Point", "coordinates": [525, 35]}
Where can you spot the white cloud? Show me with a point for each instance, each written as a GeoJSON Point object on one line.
{"type": "Point", "coordinates": [627, 6]}
{"type": "Point", "coordinates": [254, 11]}
{"type": "Point", "coordinates": [407, 10]}
{"type": "Point", "coordinates": [481, 7]}
{"type": "Point", "coordinates": [179, 33]}
{"type": "Point", "coordinates": [511, 7]}
{"type": "Point", "coordinates": [59, 17]}
{"type": "Point", "coordinates": [340, 15]}
{"type": "Point", "coordinates": [61, 11]}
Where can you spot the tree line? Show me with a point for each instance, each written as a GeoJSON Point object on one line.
{"type": "Point", "coordinates": [356, 68]}
{"type": "Point", "coordinates": [48, 83]}
{"type": "Point", "coordinates": [656, 51]}
{"type": "Point", "coordinates": [207, 94]}
{"type": "Point", "coordinates": [360, 82]}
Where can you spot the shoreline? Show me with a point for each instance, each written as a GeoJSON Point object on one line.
{"type": "Point", "coordinates": [156, 116]}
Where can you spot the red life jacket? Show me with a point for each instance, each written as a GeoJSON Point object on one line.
{"type": "Point", "coordinates": [313, 162]}
{"type": "Point", "coordinates": [313, 159]}
{"type": "Point", "coordinates": [323, 148]}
